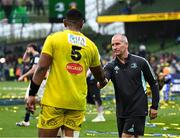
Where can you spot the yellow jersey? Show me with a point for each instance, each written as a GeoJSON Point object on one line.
{"type": "Point", "coordinates": [72, 54]}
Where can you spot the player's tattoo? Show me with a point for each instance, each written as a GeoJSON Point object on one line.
{"type": "Point", "coordinates": [41, 70]}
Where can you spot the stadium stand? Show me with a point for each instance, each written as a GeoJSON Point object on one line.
{"type": "Point", "coordinates": [139, 7]}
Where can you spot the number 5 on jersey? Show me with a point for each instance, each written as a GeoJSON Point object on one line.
{"type": "Point", "coordinates": [75, 54]}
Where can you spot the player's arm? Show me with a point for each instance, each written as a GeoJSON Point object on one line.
{"type": "Point", "coordinates": [99, 75]}
{"type": "Point", "coordinates": [40, 72]}
{"type": "Point", "coordinates": [29, 73]}
{"type": "Point", "coordinates": [44, 61]}
{"type": "Point", "coordinates": [108, 68]}
{"type": "Point", "coordinates": [25, 57]}
{"type": "Point", "coordinates": [96, 68]}
{"type": "Point", "coordinates": [42, 67]}
{"type": "Point", "coordinates": [151, 79]}
{"type": "Point", "coordinates": [107, 72]}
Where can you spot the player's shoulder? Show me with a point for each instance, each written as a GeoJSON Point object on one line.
{"type": "Point", "coordinates": [89, 41]}
{"type": "Point", "coordinates": [56, 34]}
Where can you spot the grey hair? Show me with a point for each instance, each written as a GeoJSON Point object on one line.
{"type": "Point", "coordinates": [123, 37]}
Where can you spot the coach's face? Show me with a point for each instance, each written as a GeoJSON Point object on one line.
{"type": "Point", "coordinates": [119, 46]}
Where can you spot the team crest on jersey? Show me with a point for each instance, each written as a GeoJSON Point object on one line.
{"type": "Point", "coordinates": [133, 66]}
{"type": "Point", "coordinates": [76, 40]}
{"type": "Point", "coordinates": [116, 68]}
{"type": "Point", "coordinates": [74, 68]}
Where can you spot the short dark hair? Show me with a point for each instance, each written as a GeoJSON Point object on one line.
{"type": "Point", "coordinates": [74, 15]}
{"type": "Point", "coordinates": [33, 45]}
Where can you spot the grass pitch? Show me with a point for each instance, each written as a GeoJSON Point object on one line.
{"type": "Point", "coordinates": [166, 125]}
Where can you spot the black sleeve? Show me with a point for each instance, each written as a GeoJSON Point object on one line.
{"type": "Point", "coordinates": [151, 79]}
{"type": "Point", "coordinates": [108, 70]}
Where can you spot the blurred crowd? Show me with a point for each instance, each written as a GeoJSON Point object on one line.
{"type": "Point", "coordinates": [11, 63]}
{"type": "Point", "coordinates": [166, 63]}
{"type": "Point", "coordinates": [130, 5]}
{"type": "Point", "coordinates": [11, 68]}
{"type": "Point", "coordinates": [12, 9]}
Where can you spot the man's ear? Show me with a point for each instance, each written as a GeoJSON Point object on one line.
{"type": "Point", "coordinates": [81, 23]}
{"type": "Point", "coordinates": [65, 22]}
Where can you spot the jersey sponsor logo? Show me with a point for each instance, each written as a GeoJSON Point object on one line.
{"type": "Point", "coordinates": [133, 66]}
{"type": "Point", "coordinates": [76, 40]}
{"type": "Point", "coordinates": [74, 68]}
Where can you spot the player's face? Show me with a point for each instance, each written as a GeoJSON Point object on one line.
{"type": "Point", "coordinates": [29, 50]}
{"type": "Point", "coordinates": [119, 47]}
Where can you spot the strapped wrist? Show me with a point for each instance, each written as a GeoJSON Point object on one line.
{"type": "Point", "coordinates": [104, 82]}
{"type": "Point", "coordinates": [33, 88]}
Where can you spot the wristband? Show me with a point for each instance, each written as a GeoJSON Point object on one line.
{"type": "Point", "coordinates": [33, 88]}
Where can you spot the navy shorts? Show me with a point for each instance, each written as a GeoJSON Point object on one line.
{"type": "Point", "coordinates": [133, 126]}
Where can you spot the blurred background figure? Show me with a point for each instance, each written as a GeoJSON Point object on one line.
{"type": "Point", "coordinates": [31, 56]}
{"type": "Point", "coordinates": [29, 5]}
{"type": "Point", "coordinates": [142, 51]}
{"type": "Point", "coordinates": [7, 6]}
{"type": "Point", "coordinates": [167, 84]}
{"type": "Point", "coordinates": [39, 7]}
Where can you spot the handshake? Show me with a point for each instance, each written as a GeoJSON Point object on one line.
{"type": "Point", "coordinates": [100, 85]}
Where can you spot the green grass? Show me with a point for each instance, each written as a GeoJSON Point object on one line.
{"type": "Point", "coordinates": [13, 89]}
{"type": "Point", "coordinates": [168, 121]}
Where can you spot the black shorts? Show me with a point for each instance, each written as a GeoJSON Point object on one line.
{"type": "Point", "coordinates": [133, 126]}
{"type": "Point", "coordinates": [93, 94]}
